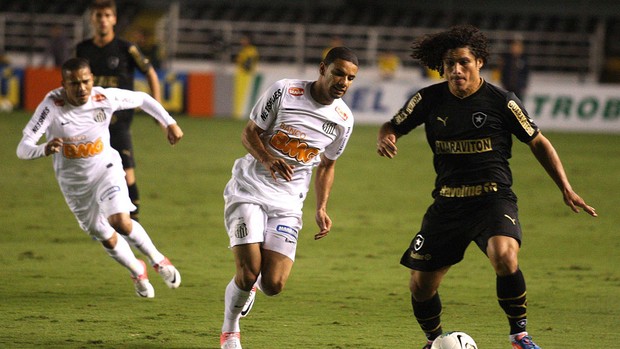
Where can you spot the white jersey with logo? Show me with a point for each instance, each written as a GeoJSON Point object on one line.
{"type": "Point", "coordinates": [86, 150]}
{"type": "Point", "coordinates": [297, 129]}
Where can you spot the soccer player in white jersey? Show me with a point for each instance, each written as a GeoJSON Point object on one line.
{"type": "Point", "coordinates": [295, 126]}
{"type": "Point", "coordinates": [75, 119]}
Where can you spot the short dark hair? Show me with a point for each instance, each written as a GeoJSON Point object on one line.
{"type": "Point", "coordinates": [431, 49]}
{"type": "Point", "coordinates": [103, 4]}
{"type": "Point", "coordinates": [73, 64]}
{"type": "Point", "coordinates": [340, 52]}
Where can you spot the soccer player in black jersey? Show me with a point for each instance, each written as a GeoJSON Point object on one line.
{"type": "Point", "coordinates": [113, 61]}
{"type": "Point", "coordinates": [469, 125]}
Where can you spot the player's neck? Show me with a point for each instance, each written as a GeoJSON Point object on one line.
{"type": "Point", "coordinates": [102, 40]}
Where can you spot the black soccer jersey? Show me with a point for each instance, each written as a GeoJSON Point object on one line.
{"type": "Point", "coordinates": [114, 64]}
{"type": "Point", "coordinates": [471, 138]}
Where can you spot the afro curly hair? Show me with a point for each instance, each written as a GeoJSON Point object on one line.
{"type": "Point", "coordinates": [431, 49]}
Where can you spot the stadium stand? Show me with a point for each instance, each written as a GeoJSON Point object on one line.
{"type": "Point", "coordinates": [575, 39]}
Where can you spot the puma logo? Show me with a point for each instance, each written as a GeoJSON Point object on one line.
{"type": "Point", "coordinates": [443, 121]}
{"type": "Point", "coordinates": [513, 220]}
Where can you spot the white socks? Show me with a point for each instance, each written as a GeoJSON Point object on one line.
{"type": "Point", "coordinates": [141, 240]}
{"type": "Point", "coordinates": [234, 300]}
{"type": "Point", "coordinates": [124, 256]}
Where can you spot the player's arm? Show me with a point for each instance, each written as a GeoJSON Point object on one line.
{"type": "Point", "coordinates": [251, 140]}
{"type": "Point", "coordinates": [322, 186]}
{"type": "Point", "coordinates": [386, 141]}
{"type": "Point", "coordinates": [28, 148]}
{"type": "Point", "coordinates": [547, 156]}
{"type": "Point", "coordinates": [153, 81]}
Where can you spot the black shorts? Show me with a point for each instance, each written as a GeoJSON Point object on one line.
{"type": "Point", "coordinates": [450, 224]}
{"type": "Point", "coordinates": [120, 137]}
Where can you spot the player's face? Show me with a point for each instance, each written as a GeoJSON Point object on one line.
{"type": "Point", "coordinates": [78, 84]}
{"type": "Point", "coordinates": [103, 21]}
{"type": "Point", "coordinates": [462, 70]}
{"type": "Point", "coordinates": [335, 80]}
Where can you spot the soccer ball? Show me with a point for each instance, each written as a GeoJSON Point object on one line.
{"type": "Point", "coordinates": [454, 340]}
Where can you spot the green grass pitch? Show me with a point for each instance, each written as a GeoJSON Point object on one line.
{"type": "Point", "coordinates": [60, 290]}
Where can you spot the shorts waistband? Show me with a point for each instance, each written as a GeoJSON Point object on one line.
{"type": "Point", "coordinates": [466, 191]}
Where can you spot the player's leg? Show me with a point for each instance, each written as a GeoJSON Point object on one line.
{"type": "Point", "coordinates": [503, 250]}
{"type": "Point", "coordinates": [245, 225]}
{"type": "Point", "coordinates": [120, 139]}
{"type": "Point", "coordinates": [511, 288]}
{"type": "Point", "coordinates": [92, 221]}
{"type": "Point", "coordinates": [115, 204]}
{"type": "Point", "coordinates": [425, 300]}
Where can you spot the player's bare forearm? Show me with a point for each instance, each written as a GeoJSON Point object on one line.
{"type": "Point", "coordinates": [547, 156]}
{"type": "Point", "coordinates": [324, 180]}
{"type": "Point", "coordinates": [252, 142]}
{"type": "Point", "coordinates": [153, 82]}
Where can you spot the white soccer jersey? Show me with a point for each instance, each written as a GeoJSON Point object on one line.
{"type": "Point", "coordinates": [297, 129]}
{"type": "Point", "coordinates": [86, 149]}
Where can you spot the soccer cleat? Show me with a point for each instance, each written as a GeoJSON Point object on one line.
{"type": "Point", "coordinates": [169, 273]}
{"type": "Point", "coordinates": [230, 340]}
{"type": "Point", "coordinates": [523, 341]}
{"type": "Point", "coordinates": [143, 286]}
{"type": "Point", "coordinates": [249, 303]}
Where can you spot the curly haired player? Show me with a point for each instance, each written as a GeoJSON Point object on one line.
{"type": "Point", "coordinates": [469, 125]}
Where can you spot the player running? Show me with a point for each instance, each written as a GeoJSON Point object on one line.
{"type": "Point", "coordinates": [75, 119]}
{"type": "Point", "coordinates": [295, 126]}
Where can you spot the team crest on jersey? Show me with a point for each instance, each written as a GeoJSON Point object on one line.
{"type": "Point", "coordinates": [342, 113]}
{"type": "Point", "coordinates": [113, 62]}
{"type": "Point", "coordinates": [329, 128]}
{"type": "Point", "coordinates": [478, 118]}
{"type": "Point", "coordinates": [99, 116]}
{"type": "Point", "coordinates": [418, 242]}
{"type": "Point", "coordinates": [296, 91]}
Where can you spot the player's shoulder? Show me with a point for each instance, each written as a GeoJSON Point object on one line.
{"type": "Point", "coordinates": [87, 43]}
{"type": "Point", "coordinates": [345, 115]}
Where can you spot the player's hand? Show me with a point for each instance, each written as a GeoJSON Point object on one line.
{"type": "Point", "coordinates": [174, 134]}
{"type": "Point", "coordinates": [324, 223]}
{"type": "Point", "coordinates": [575, 201]}
{"type": "Point", "coordinates": [386, 145]}
{"type": "Point", "coordinates": [277, 166]}
{"type": "Point", "coordinates": [53, 146]}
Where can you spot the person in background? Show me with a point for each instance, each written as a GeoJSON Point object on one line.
{"type": "Point", "coordinates": [514, 68]}
{"type": "Point", "coordinates": [246, 63]}
{"type": "Point", "coordinates": [114, 62]}
{"type": "Point", "coordinates": [469, 124]}
{"type": "Point", "coordinates": [74, 119]}
{"type": "Point", "coordinates": [295, 126]}
{"type": "Point", "coordinates": [388, 64]}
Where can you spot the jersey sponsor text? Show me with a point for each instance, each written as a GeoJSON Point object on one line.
{"type": "Point", "coordinates": [466, 146]}
{"type": "Point", "coordinates": [293, 147]}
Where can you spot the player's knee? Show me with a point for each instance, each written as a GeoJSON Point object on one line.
{"type": "Point", "coordinates": [272, 287]}
{"type": "Point", "coordinates": [121, 223]}
{"type": "Point", "coordinates": [505, 262]}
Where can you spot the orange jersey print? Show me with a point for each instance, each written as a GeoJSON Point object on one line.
{"type": "Point", "coordinates": [82, 150]}
{"type": "Point", "coordinates": [293, 147]}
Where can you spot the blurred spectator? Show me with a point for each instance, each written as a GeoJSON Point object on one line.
{"type": "Point", "coordinates": [388, 63]}
{"type": "Point", "coordinates": [247, 58]}
{"type": "Point", "coordinates": [246, 63]}
{"type": "Point", "coordinates": [57, 50]}
{"type": "Point", "coordinates": [514, 68]}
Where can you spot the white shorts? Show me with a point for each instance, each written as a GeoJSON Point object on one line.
{"type": "Point", "coordinates": [93, 203]}
{"type": "Point", "coordinates": [247, 221]}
